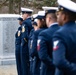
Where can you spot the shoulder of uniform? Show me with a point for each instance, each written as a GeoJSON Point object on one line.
{"type": "Point", "coordinates": [62, 29]}
{"type": "Point", "coordinates": [36, 31]}
{"type": "Point", "coordinates": [61, 32]}
{"type": "Point", "coordinates": [19, 28]}
{"type": "Point", "coordinates": [32, 30]}
{"type": "Point", "coordinates": [39, 30]}
{"type": "Point", "coordinates": [43, 33]}
{"type": "Point", "coordinates": [27, 20]}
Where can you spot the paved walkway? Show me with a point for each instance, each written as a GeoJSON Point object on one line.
{"type": "Point", "coordinates": [8, 70]}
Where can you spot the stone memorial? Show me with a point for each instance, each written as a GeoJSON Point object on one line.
{"type": "Point", "coordinates": [8, 27]}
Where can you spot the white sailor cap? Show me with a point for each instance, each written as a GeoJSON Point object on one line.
{"type": "Point", "coordinates": [34, 20]}
{"type": "Point", "coordinates": [26, 10]}
{"type": "Point", "coordinates": [67, 5]}
{"type": "Point", "coordinates": [41, 15]}
{"type": "Point", "coordinates": [49, 10]}
{"type": "Point", "coordinates": [33, 17]}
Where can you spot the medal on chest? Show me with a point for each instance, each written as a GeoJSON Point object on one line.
{"type": "Point", "coordinates": [23, 29]}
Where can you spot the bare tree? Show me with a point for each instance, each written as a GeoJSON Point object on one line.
{"type": "Point", "coordinates": [14, 6]}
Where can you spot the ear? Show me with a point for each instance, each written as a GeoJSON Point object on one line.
{"type": "Point", "coordinates": [63, 17]}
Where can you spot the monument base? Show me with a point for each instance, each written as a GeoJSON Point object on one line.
{"type": "Point", "coordinates": [7, 60]}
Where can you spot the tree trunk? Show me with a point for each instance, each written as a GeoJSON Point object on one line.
{"type": "Point", "coordinates": [10, 6]}
{"type": "Point", "coordinates": [19, 4]}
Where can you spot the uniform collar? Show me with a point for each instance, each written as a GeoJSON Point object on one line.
{"type": "Point", "coordinates": [53, 24]}
{"type": "Point", "coordinates": [69, 23]}
{"type": "Point", "coordinates": [29, 17]}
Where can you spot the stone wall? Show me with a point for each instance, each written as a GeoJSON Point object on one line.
{"type": "Point", "coordinates": [8, 27]}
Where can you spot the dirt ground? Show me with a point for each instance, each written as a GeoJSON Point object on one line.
{"type": "Point", "coordinates": [8, 70]}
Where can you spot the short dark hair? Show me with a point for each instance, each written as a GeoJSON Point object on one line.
{"type": "Point", "coordinates": [53, 16]}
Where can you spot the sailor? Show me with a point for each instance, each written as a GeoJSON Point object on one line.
{"type": "Point", "coordinates": [34, 54]}
{"type": "Point", "coordinates": [17, 46]}
{"type": "Point", "coordinates": [64, 40]}
{"type": "Point", "coordinates": [45, 42]}
{"type": "Point", "coordinates": [26, 28]}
